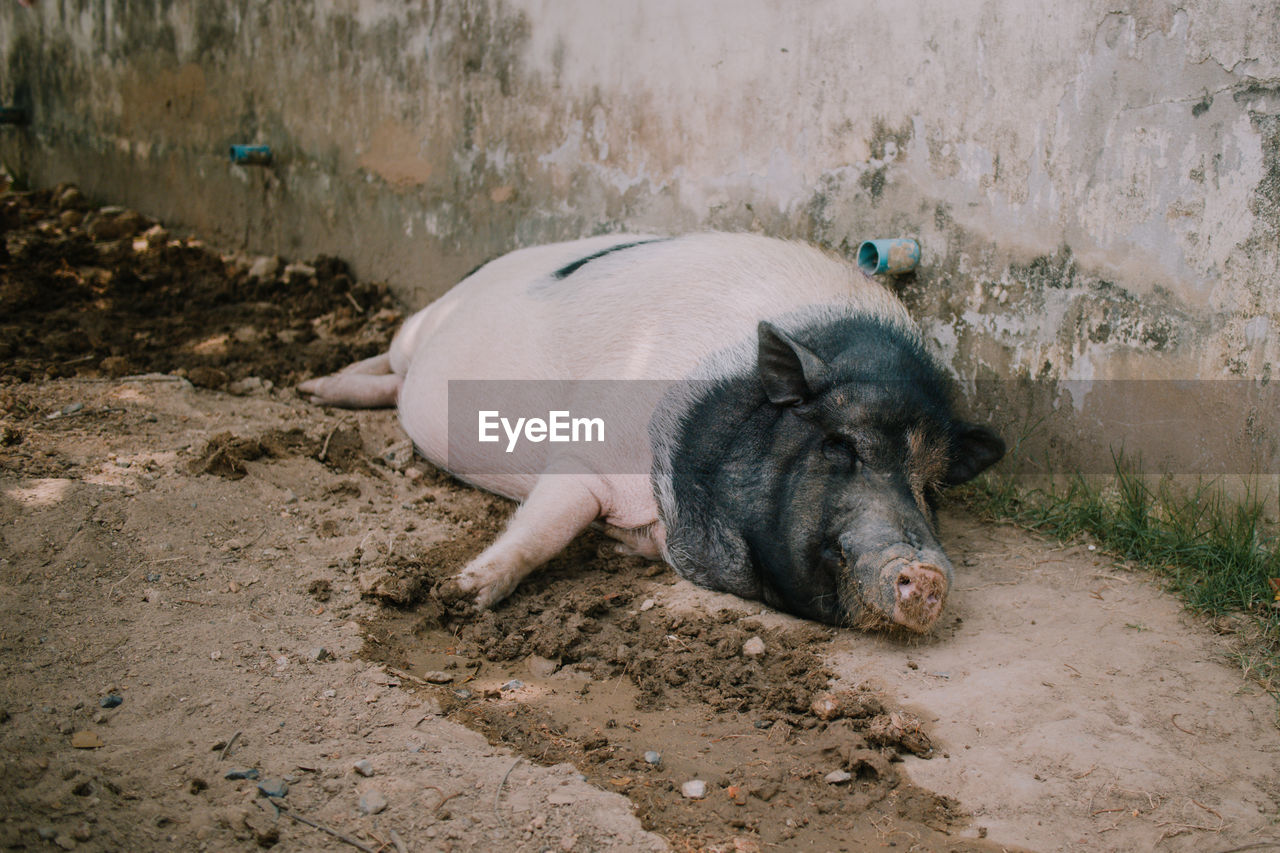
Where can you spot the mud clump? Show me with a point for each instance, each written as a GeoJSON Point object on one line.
{"type": "Point", "coordinates": [225, 455]}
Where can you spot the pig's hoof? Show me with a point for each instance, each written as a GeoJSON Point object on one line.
{"type": "Point", "coordinates": [486, 584]}
{"type": "Point", "coordinates": [449, 593]}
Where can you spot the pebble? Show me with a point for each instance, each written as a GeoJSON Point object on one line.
{"type": "Point", "coordinates": [825, 706]}
{"type": "Point", "coordinates": [273, 787]}
{"type": "Point", "coordinates": [513, 684]}
{"type": "Point", "coordinates": [264, 268]}
{"type": "Point", "coordinates": [111, 700]}
{"type": "Point", "coordinates": [463, 693]}
{"type": "Point", "coordinates": [648, 604]}
{"type": "Point", "coordinates": [86, 740]}
{"type": "Point", "coordinates": [653, 757]}
{"type": "Point", "coordinates": [66, 842]}
{"type": "Point", "coordinates": [694, 789]}
{"type": "Point", "coordinates": [541, 667]}
{"type": "Point", "coordinates": [437, 677]}
{"type": "Point", "coordinates": [837, 777]}
{"type": "Point", "coordinates": [753, 648]}
{"type": "Point", "coordinates": [562, 798]}
{"type": "Point", "coordinates": [330, 694]}
{"type": "Point", "coordinates": [372, 802]}
{"type": "Point", "coordinates": [251, 773]}
{"type": "Point", "coordinates": [318, 654]}
{"type": "Point", "coordinates": [364, 767]}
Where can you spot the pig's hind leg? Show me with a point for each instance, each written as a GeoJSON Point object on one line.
{"type": "Point", "coordinates": [367, 384]}
{"type": "Point", "coordinates": [558, 509]}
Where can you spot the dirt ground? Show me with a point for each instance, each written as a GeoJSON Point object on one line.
{"type": "Point", "coordinates": [254, 580]}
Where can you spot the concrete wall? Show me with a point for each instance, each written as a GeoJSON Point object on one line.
{"type": "Point", "coordinates": [1096, 185]}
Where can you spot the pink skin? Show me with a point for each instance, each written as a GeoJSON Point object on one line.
{"type": "Point", "coordinates": [921, 591]}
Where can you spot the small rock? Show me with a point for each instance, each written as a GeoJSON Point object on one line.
{"type": "Point", "coordinates": [66, 842]}
{"type": "Point", "coordinates": [151, 596]}
{"type": "Point", "coordinates": [215, 655]}
{"type": "Point", "coordinates": [463, 693]}
{"type": "Point", "coordinates": [437, 677]}
{"type": "Point", "coordinates": [86, 740]}
{"type": "Point", "coordinates": [825, 706]}
{"type": "Point", "coordinates": [212, 378]}
{"type": "Point", "coordinates": [694, 789]}
{"type": "Point", "coordinates": [249, 385]}
{"type": "Point", "coordinates": [753, 648]}
{"type": "Point", "coordinates": [82, 832]}
{"type": "Point", "coordinates": [299, 270]}
{"type": "Point", "coordinates": [562, 798]}
{"type": "Point", "coordinates": [541, 667]}
{"type": "Point", "coordinates": [364, 767]}
{"type": "Point", "coordinates": [513, 684]}
{"type": "Point", "coordinates": [648, 604]}
{"type": "Point", "coordinates": [330, 694]}
{"type": "Point", "coordinates": [653, 757]}
{"type": "Point", "coordinates": [372, 802]}
{"type": "Point", "coordinates": [399, 455]}
{"type": "Point", "coordinates": [46, 833]}
{"type": "Point", "coordinates": [264, 269]}
{"type": "Point", "coordinates": [319, 654]}
{"type": "Point", "coordinates": [71, 198]}
{"type": "Point", "coordinates": [156, 235]}
{"type": "Point", "coordinates": [251, 773]}
{"type": "Point", "coordinates": [837, 777]}
{"type": "Point", "coordinates": [111, 700]}
{"type": "Point", "coordinates": [273, 787]}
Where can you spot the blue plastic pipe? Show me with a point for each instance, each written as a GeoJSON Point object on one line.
{"type": "Point", "coordinates": [251, 155]}
{"type": "Point", "coordinates": [894, 256]}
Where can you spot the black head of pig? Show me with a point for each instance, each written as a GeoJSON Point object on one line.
{"type": "Point", "coordinates": [812, 485]}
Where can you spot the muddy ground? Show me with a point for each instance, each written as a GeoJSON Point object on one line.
{"type": "Point", "coordinates": [254, 579]}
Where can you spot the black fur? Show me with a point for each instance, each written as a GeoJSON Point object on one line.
{"type": "Point", "coordinates": [569, 269]}
{"type": "Point", "coordinates": [769, 493]}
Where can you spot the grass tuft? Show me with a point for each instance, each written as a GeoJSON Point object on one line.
{"type": "Point", "coordinates": [1213, 549]}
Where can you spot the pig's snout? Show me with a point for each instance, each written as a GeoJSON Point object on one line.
{"type": "Point", "coordinates": [901, 585]}
{"type": "Point", "coordinates": [920, 592]}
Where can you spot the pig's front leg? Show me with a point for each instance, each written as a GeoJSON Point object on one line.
{"type": "Point", "coordinates": [558, 509]}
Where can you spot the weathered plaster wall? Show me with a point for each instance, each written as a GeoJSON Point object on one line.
{"type": "Point", "coordinates": [1096, 185]}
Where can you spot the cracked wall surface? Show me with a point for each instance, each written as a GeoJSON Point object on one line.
{"type": "Point", "coordinates": [1096, 186]}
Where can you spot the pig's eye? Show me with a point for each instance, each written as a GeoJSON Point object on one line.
{"type": "Point", "coordinates": [840, 452]}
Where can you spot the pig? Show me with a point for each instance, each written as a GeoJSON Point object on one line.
{"type": "Point", "coordinates": [794, 454]}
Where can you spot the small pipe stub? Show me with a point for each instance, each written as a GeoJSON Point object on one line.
{"type": "Point", "coordinates": [896, 256]}
{"type": "Point", "coordinates": [13, 115]}
{"type": "Point", "coordinates": [251, 155]}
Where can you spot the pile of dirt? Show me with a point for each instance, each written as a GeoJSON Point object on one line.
{"type": "Point", "coordinates": [103, 291]}
{"type": "Point", "coordinates": [783, 758]}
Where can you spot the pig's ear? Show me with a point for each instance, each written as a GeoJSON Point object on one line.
{"type": "Point", "coordinates": [791, 374]}
{"type": "Point", "coordinates": [974, 449]}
